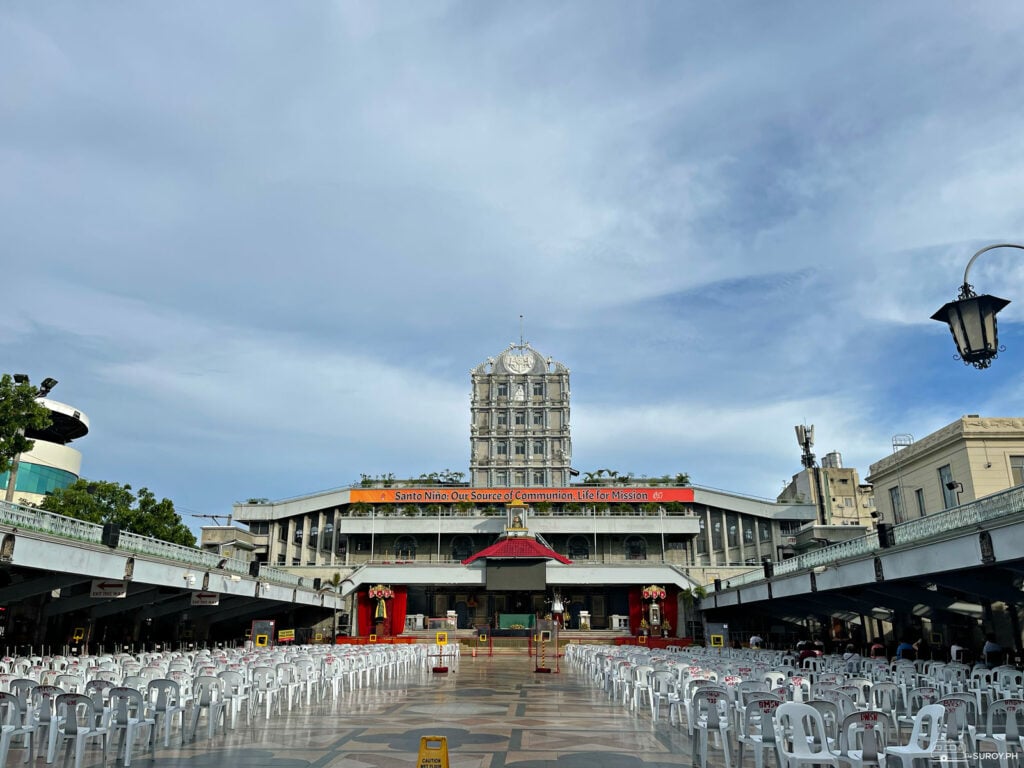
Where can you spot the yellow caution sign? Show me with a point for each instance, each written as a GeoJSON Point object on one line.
{"type": "Point", "coordinates": [442, 638]}
{"type": "Point", "coordinates": [433, 752]}
{"type": "Point", "coordinates": [717, 641]}
{"type": "Point", "coordinates": [286, 636]}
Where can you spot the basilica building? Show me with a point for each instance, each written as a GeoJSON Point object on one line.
{"type": "Point", "coordinates": [524, 537]}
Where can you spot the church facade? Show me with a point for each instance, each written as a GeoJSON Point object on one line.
{"type": "Point", "coordinates": [521, 538]}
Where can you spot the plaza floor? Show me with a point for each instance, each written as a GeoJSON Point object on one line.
{"type": "Point", "coordinates": [495, 712]}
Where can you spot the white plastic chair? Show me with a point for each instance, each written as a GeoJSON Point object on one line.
{"type": "Point", "coordinates": [863, 737]}
{"type": "Point", "coordinates": [711, 714]}
{"type": "Point", "coordinates": [1003, 727]}
{"type": "Point", "coordinates": [41, 711]}
{"type": "Point", "coordinates": [127, 716]}
{"type": "Point", "coordinates": [961, 722]}
{"type": "Point", "coordinates": [209, 698]}
{"type": "Point", "coordinates": [265, 691]}
{"type": "Point", "coordinates": [758, 727]}
{"type": "Point", "coordinates": [288, 682]}
{"type": "Point", "coordinates": [236, 694]}
{"type": "Point", "coordinates": [77, 722]}
{"type": "Point", "coordinates": [164, 699]}
{"type": "Point", "coordinates": [801, 736]}
{"type": "Point", "coordinates": [14, 722]}
{"type": "Point", "coordinates": [664, 689]}
{"type": "Point", "coordinates": [925, 738]}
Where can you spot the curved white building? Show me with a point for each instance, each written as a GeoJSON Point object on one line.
{"type": "Point", "coordinates": [52, 463]}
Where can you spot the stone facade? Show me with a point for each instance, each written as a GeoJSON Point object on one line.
{"type": "Point", "coordinates": [519, 421]}
{"type": "Point", "coordinates": [966, 460]}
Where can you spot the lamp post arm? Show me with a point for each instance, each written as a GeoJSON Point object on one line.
{"type": "Point", "coordinates": [967, 291]}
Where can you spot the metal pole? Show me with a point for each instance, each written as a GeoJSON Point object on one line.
{"type": "Point", "coordinates": [987, 248]}
{"type": "Point", "coordinates": [821, 497]}
{"type": "Point", "coordinates": [661, 513]}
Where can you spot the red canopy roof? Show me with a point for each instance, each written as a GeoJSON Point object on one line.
{"type": "Point", "coordinates": [514, 547]}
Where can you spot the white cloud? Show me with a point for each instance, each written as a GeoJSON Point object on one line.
{"type": "Point", "coordinates": [271, 263]}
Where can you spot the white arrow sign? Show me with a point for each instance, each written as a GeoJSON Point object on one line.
{"type": "Point", "coordinates": [108, 588]}
{"type": "Point", "coordinates": [205, 598]}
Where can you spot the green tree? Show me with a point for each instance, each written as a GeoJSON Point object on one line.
{"type": "Point", "coordinates": [105, 502]}
{"type": "Point", "coordinates": [20, 412]}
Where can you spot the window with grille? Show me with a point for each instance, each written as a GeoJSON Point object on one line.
{"type": "Point", "coordinates": [636, 548]}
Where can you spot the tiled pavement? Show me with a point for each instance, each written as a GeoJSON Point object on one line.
{"type": "Point", "coordinates": [495, 712]}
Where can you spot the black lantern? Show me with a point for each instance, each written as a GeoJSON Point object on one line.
{"type": "Point", "coordinates": [972, 319]}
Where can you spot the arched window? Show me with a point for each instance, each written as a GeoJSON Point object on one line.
{"type": "Point", "coordinates": [405, 548]}
{"type": "Point", "coordinates": [636, 548]}
{"type": "Point", "coordinates": [462, 547]}
{"type": "Point", "coordinates": [579, 548]}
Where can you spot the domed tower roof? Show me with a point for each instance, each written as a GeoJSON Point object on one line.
{"type": "Point", "coordinates": [520, 360]}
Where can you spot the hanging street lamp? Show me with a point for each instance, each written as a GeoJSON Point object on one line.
{"type": "Point", "coordinates": [972, 319]}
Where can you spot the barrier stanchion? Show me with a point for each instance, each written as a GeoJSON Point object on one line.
{"type": "Point", "coordinates": [441, 639]}
{"type": "Point", "coordinates": [542, 640]}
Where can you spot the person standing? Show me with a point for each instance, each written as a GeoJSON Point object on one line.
{"type": "Point", "coordinates": [991, 651]}
{"type": "Point", "coordinates": [756, 641]}
{"type": "Point", "coordinates": [905, 650]}
{"type": "Point", "coordinates": [878, 649]}
{"type": "Point", "coordinates": [956, 651]}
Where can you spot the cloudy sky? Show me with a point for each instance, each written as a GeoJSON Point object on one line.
{"type": "Point", "coordinates": [262, 244]}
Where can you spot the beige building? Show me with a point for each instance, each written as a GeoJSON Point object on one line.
{"type": "Point", "coordinates": [845, 500]}
{"type": "Point", "coordinates": [966, 460]}
{"type": "Point", "coordinates": [519, 421]}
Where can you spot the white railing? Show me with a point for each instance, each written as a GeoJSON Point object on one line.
{"type": "Point", "coordinates": [994, 507]}
{"type": "Point", "coordinates": [27, 518]}
{"type": "Point", "coordinates": [147, 545]}
{"type": "Point", "coordinates": [31, 519]}
{"type": "Point", "coordinates": [269, 573]}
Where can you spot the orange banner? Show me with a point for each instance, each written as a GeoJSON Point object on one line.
{"type": "Point", "coordinates": [589, 495]}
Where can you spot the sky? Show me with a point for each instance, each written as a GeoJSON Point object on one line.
{"type": "Point", "coordinates": [261, 245]}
